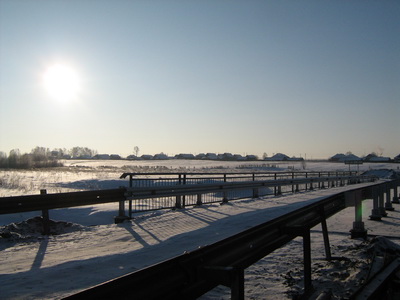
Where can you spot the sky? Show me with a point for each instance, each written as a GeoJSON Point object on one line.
{"type": "Point", "coordinates": [304, 78]}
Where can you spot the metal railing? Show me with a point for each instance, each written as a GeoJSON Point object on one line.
{"type": "Point", "coordinates": [296, 183]}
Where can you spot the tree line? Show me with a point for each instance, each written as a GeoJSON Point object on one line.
{"type": "Point", "coordinates": [42, 157]}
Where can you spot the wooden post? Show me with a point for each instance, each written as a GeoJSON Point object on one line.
{"type": "Point", "coordinates": [45, 217]}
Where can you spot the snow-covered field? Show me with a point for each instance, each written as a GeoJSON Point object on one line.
{"type": "Point", "coordinates": [90, 249]}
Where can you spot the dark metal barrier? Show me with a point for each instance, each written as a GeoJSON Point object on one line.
{"type": "Point", "coordinates": [190, 275]}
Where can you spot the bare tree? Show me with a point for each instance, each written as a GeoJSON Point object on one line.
{"type": "Point", "coordinates": [136, 149]}
{"type": "Point", "coordinates": [380, 150]}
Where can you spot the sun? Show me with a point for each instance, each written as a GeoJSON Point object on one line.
{"type": "Point", "coordinates": [61, 82]}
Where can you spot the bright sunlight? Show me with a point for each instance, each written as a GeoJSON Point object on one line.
{"type": "Point", "coordinates": [61, 82]}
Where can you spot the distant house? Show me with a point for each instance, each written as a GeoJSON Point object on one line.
{"type": "Point", "coordinates": [343, 157]}
{"type": "Point", "coordinates": [201, 156]}
{"type": "Point", "coordinates": [115, 156]}
{"type": "Point", "coordinates": [397, 158]}
{"type": "Point", "coordinates": [380, 159]}
{"type": "Point", "coordinates": [239, 157]}
{"type": "Point", "coordinates": [132, 157]}
{"type": "Point", "coordinates": [212, 156]}
{"type": "Point", "coordinates": [226, 156]}
{"type": "Point", "coordinates": [160, 156]}
{"type": "Point", "coordinates": [350, 157]}
{"type": "Point", "coordinates": [278, 157]}
{"type": "Point", "coordinates": [146, 157]}
{"type": "Point", "coordinates": [184, 156]}
{"type": "Point", "coordinates": [369, 157]}
{"type": "Point", "coordinates": [337, 157]}
{"type": "Point", "coordinates": [102, 156]}
{"type": "Point", "coordinates": [251, 157]}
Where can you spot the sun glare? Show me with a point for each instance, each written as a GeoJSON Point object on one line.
{"type": "Point", "coordinates": [61, 82]}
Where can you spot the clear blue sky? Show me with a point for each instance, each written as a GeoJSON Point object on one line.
{"type": "Point", "coordinates": [247, 77]}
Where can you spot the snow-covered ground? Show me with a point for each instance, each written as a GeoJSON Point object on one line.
{"type": "Point", "coordinates": [90, 249]}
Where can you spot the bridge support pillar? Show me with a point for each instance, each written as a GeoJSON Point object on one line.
{"type": "Point", "coordinates": [376, 212]}
{"type": "Point", "coordinates": [388, 202]}
{"type": "Point", "coordinates": [395, 195]}
{"type": "Point", "coordinates": [382, 201]}
{"type": "Point", "coordinates": [354, 198]}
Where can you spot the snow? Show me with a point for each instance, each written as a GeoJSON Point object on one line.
{"type": "Point", "coordinates": [90, 249]}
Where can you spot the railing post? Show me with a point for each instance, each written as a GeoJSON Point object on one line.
{"type": "Point", "coordinates": [306, 183]}
{"type": "Point", "coordinates": [199, 200]}
{"type": "Point", "coordinates": [130, 201]}
{"type": "Point", "coordinates": [45, 217]}
{"type": "Point", "coordinates": [178, 202]}
{"type": "Point", "coordinates": [225, 193]}
{"type": "Point", "coordinates": [255, 193]}
{"type": "Point", "coordinates": [292, 184]}
{"type": "Point", "coordinates": [279, 192]}
{"type": "Point", "coordinates": [184, 197]}
{"type": "Point", "coordinates": [121, 213]}
{"type": "Point", "coordinates": [319, 182]}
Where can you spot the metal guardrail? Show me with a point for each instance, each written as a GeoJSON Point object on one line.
{"type": "Point", "coordinates": [190, 275]}
{"type": "Point", "coordinates": [17, 204]}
